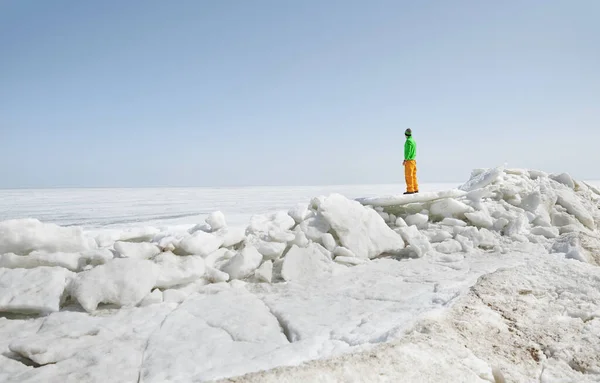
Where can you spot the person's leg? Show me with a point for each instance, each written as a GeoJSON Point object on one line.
{"type": "Point", "coordinates": [408, 177]}
{"type": "Point", "coordinates": [414, 177]}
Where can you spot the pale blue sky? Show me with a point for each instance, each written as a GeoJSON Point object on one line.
{"type": "Point", "coordinates": [271, 92]}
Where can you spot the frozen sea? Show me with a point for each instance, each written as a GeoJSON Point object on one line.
{"type": "Point", "coordinates": [117, 208]}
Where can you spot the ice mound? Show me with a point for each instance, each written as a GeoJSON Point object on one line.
{"type": "Point", "coordinates": [499, 209]}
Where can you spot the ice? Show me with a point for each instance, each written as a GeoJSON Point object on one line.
{"type": "Point", "coordinates": [123, 282]}
{"type": "Point", "coordinates": [143, 250]}
{"type": "Point", "coordinates": [510, 264]}
{"type": "Point", "coordinates": [411, 198]}
{"type": "Point", "coordinates": [231, 236]}
{"type": "Point", "coordinates": [269, 250]}
{"type": "Point", "coordinates": [23, 236]}
{"type": "Point", "coordinates": [304, 264]}
{"type": "Point", "coordinates": [177, 270]}
{"type": "Point", "coordinates": [569, 201]}
{"type": "Point", "coordinates": [216, 220]}
{"type": "Point", "coordinates": [548, 232]}
{"type": "Point", "coordinates": [449, 207]}
{"type": "Point", "coordinates": [418, 242]}
{"type": "Point", "coordinates": [400, 222]}
{"type": "Point", "coordinates": [300, 212]}
{"type": "Point", "coordinates": [211, 336]}
{"type": "Point", "coordinates": [439, 236]}
{"type": "Point", "coordinates": [358, 228]}
{"type": "Point", "coordinates": [564, 179]}
{"type": "Point", "coordinates": [341, 251]}
{"type": "Point", "coordinates": [216, 276]}
{"type": "Point", "coordinates": [351, 261]}
{"type": "Point", "coordinates": [453, 222]}
{"type": "Point", "coordinates": [449, 246]}
{"type": "Point", "coordinates": [244, 263]}
{"type": "Point", "coordinates": [76, 347]}
{"type": "Point", "coordinates": [29, 291]}
{"type": "Point", "coordinates": [265, 272]}
{"type": "Point", "coordinates": [200, 243]}
{"type": "Point", "coordinates": [218, 257]}
{"type": "Point", "coordinates": [300, 240]}
{"type": "Point", "coordinates": [282, 236]}
{"type": "Point", "coordinates": [419, 220]}
{"type": "Point", "coordinates": [279, 221]}
{"type": "Point", "coordinates": [315, 227]}
{"type": "Point", "coordinates": [328, 241]}
{"type": "Point", "coordinates": [155, 297]}
{"type": "Point", "coordinates": [483, 179]}
{"type": "Point", "coordinates": [515, 309]}
{"type": "Point", "coordinates": [480, 219]}
{"type": "Point", "coordinates": [579, 246]}
{"type": "Point", "coordinates": [70, 261]}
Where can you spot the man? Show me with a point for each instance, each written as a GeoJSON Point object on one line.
{"type": "Point", "coordinates": [410, 165]}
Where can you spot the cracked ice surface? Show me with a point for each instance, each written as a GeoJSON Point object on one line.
{"type": "Point", "coordinates": [229, 329]}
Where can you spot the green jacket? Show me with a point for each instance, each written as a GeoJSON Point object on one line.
{"type": "Point", "coordinates": [410, 149]}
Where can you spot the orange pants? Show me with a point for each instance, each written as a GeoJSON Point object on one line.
{"type": "Point", "coordinates": [410, 173]}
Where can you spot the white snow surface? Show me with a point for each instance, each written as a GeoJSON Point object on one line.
{"type": "Point", "coordinates": [495, 280]}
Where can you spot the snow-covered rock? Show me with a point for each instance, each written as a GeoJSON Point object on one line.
{"type": "Point", "coordinates": [23, 236]}
{"type": "Point", "coordinates": [305, 264]}
{"type": "Point", "coordinates": [200, 243]}
{"type": "Point", "coordinates": [358, 228]}
{"type": "Point", "coordinates": [216, 220]}
{"type": "Point", "coordinates": [122, 281]}
{"type": "Point", "coordinates": [32, 291]}
{"type": "Point", "coordinates": [142, 250]}
{"type": "Point", "coordinates": [243, 264]}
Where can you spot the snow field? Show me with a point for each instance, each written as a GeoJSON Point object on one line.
{"type": "Point", "coordinates": [296, 285]}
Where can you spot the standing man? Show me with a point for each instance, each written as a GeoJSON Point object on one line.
{"type": "Point", "coordinates": [410, 165]}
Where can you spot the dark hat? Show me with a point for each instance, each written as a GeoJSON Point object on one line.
{"type": "Point", "coordinates": [408, 132]}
